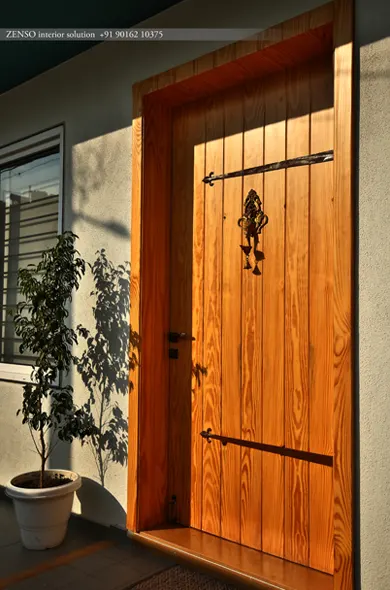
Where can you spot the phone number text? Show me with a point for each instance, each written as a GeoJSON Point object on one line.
{"type": "Point", "coordinates": [133, 34]}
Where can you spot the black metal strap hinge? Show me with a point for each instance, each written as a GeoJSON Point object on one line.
{"type": "Point", "coordinates": [318, 158]}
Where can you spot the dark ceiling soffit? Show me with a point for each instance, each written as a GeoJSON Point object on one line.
{"type": "Point", "coordinates": [22, 60]}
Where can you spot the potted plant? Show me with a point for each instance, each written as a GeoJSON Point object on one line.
{"type": "Point", "coordinates": [43, 498]}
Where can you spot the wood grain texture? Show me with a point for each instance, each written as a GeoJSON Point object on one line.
{"type": "Point", "coordinates": [296, 531]}
{"type": "Point", "coordinates": [204, 63]}
{"type": "Point", "coordinates": [166, 79]}
{"type": "Point", "coordinates": [343, 72]}
{"type": "Point", "coordinates": [322, 15]}
{"type": "Point", "coordinates": [211, 501]}
{"type": "Point", "coordinates": [251, 525]}
{"type": "Point", "coordinates": [272, 518]}
{"type": "Point", "coordinates": [295, 26]}
{"type": "Point", "coordinates": [225, 55]}
{"type": "Point", "coordinates": [246, 47]}
{"type": "Point", "coordinates": [133, 449]}
{"type": "Point", "coordinates": [153, 461]}
{"type": "Point", "coordinates": [321, 262]}
{"type": "Point", "coordinates": [278, 41]}
{"type": "Point", "coordinates": [297, 309]}
{"type": "Point", "coordinates": [273, 265]}
{"type": "Point", "coordinates": [184, 71]}
{"type": "Point", "coordinates": [273, 318]}
{"type": "Point", "coordinates": [139, 91]}
{"type": "Point", "coordinates": [245, 565]}
{"type": "Point", "coordinates": [184, 130]}
{"type": "Point", "coordinates": [308, 34]}
{"type": "Point", "coordinates": [321, 518]}
{"type": "Point", "coordinates": [296, 526]}
{"type": "Point", "coordinates": [307, 21]}
{"type": "Point", "coordinates": [269, 37]}
{"type": "Point", "coordinates": [300, 24]}
{"type": "Point", "coordinates": [297, 263]}
{"type": "Point", "coordinates": [199, 122]}
{"type": "Point", "coordinates": [251, 328]}
{"type": "Point", "coordinates": [231, 318]}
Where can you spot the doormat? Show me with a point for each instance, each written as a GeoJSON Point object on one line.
{"type": "Point", "coordinates": [180, 578]}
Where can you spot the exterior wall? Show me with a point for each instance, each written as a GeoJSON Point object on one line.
{"type": "Point", "coordinates": [373, 314]}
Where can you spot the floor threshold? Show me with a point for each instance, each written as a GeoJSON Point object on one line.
{"type": "Point", "coordinates": [241, 565]}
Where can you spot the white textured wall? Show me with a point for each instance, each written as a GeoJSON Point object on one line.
{"type": "Point", "coordinates": [373, 49]}
{"type": "Point", "coordinates": [91, 94]}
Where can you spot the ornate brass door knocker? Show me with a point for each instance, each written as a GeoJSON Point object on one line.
{"type": "Point", "coordinates": [252, 222]}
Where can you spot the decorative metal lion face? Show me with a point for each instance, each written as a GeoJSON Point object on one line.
{"type": "Point", "coordinates": [252, 222]}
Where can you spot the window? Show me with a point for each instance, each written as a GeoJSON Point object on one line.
{"type": "Point", "coordinates": [30, 220]}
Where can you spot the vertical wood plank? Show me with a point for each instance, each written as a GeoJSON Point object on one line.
{"type": "Point", "coordinates": [198, 365]}
{"type": "Point", "coordinates": [343, 68]}
{"type": "Point", "coordinates": [231, 318]}
{"type": "Point", "coordinates": [296, 534]}
{"type": "Point", "coordinates": [273, 318]}
{"type": "Point", "coordinates": [321, 317]}
{"type": "Point", "coordinates": [272, 518]}
{"type": "Point", "coordinates": [251, 410]}
{"type": "Point", "coordinates": [179, 371]}
{"type": "Point", "coordinates": [153, 466]}
{"type": "Point", "coordinates": [273, 265]}
{"type": "Point", "coordinates": [138, 142]}
{"type": "Point", "coordinates": [321, 521]}
{"type": "Point", "coordinates": [297, 265]}
{"type": "Point", "coordinates": [321, 263]}
{"type": "Point", "coordinates": [296, 317]}
{"type": "Point", "coordinates": [185, 138]}
{"type": "Point", "coordinates": [211, 499]}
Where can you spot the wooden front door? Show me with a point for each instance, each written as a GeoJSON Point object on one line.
{"type": "Point", "coordinates": [254, 361]}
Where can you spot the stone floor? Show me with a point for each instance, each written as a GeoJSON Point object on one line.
{"type": "Point", "coordinates": [91, 558]}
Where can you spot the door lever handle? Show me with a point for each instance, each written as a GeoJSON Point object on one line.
{"type": "Point", "coordinates": [176, 336]}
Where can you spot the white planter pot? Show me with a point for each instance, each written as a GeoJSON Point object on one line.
{"type": "Point", "coordinates": [43, 514]}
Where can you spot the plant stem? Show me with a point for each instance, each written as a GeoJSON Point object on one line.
{"type": "Point", "coordinates": [43, 455]}
{"type": "Point", "coordinates": [100, 455]}
{"type": "Point", "coordinates": [33, 439]}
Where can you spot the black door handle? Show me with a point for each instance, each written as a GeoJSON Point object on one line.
{"type": "Point", "coordinates": [176, 336]}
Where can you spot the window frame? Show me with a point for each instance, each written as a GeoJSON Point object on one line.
{"type": "Point", "coordinates": [12, 152]}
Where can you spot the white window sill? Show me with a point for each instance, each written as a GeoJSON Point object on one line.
{"type": "Point", "coordinates": [18, 373]}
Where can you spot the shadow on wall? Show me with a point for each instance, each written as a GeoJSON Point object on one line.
{"type": "Point", "coordinates": [96, 501]}
{"type": "Point", "coordinates": [104, 365]}
{"type": "Point", "coordinates": [111, 350]}
{"type": "Point", "coordinates": [89, 171]}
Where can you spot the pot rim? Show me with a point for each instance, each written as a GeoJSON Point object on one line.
{"type": "Point", "coordinates": [15, 492]}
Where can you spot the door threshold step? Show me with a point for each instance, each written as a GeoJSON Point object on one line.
{"type": "Point", "coordinates": [239, 564]}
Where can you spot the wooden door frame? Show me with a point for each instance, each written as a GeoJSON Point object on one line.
{"type": "Point", "coordinates": [151, 158]}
